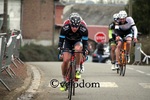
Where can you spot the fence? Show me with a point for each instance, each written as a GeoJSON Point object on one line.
{"type": "Point", "coordinates": [138, 52]}
{"type": "Point", "coordinates": [9, 51]}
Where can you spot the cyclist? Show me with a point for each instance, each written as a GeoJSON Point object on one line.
{"type": "Point", "coordinates": [83, 23]}
{"type": "Point", "coordinates": [73, 35]}
{"type": "Point", "coordinates": [112, 39]}
{"type": "Point", "coordinates": [125, 29]}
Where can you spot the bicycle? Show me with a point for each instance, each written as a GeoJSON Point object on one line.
{"type": "Point", "coordinates": [122, 59]}
{"type": "Point", "coordinates": [70, 75]}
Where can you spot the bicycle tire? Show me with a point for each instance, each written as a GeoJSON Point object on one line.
{"type": "Point", "coordinates": [117, 71]}
{"type": "Point", "coordinates": [70, 84]}
{"type": "Point", "coordinates": [124, 64]}
{"type": "Point", "coordinates": [70, 90]}
{"type": "Point", "coordinates": [73, 71]}
{"type": "Point", "coordinates": [123, 70]}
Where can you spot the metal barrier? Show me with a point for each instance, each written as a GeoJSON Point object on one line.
{"type": "Point", "coordinates": [9, 52]}
{"type": "Point", "coordinates": [137, 59]}
{"type": "Point", "coordinates": [138, 52]}
{"type": "Point", "coordinates": [2, 51]}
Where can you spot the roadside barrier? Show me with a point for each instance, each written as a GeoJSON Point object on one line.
{"type": "Point", "coordinates": [9, 52]}
{"type": "Point", "coordinates": [138, 51]}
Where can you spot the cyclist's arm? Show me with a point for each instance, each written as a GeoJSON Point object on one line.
{"type": "Point", "coordinates": [135, 31]}
{"type": "Point", "coordinates": [62, 35]}
{"type": "Point", "coordinates": [85, 39]}
{"type": "Point", "coordinates": [132, 23]}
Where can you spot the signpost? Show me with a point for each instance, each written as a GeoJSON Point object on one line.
{"type": "Point", "coordinates": [100, 37]}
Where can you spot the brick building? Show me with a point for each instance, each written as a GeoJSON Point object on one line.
{"type": "Point", "coordinates": [37, 19]}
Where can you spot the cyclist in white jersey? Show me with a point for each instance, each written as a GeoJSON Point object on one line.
{"type": "Point", "coordinates": [125, 28]}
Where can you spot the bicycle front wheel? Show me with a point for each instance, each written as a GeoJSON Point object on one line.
{"type": "Point", "coordinates": [70, 85]}
{"type": "Point", "coordinates": [123, 70]}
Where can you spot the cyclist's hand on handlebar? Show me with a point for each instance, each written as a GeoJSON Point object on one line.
{"type": "Point", "coordinates": [86, 52]}
{"type": "Point", "coordinates": [60, 56]}
{"type": "Point", "coordinates": [135, 40]}
{"type": "Point", "coordinates": [117, 38]}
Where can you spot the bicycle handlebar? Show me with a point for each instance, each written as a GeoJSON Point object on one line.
{"type": "Point", "coordinates": [71, 51]}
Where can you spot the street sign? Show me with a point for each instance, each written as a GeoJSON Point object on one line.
{"type": "Point", "coordinates": [100, 37]}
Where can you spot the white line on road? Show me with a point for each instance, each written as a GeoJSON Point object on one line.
{"type": "Point", "coordinates": [145, 85]}
{"type": "Point", "coordinates": [108, 84]}
{"type": "Point", "coordinates": [140, 71]}
{"type": "Point", "coordinates": [148, 74]}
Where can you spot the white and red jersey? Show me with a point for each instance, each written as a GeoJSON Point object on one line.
{"type": "Point", "coordinates": [68, 22]}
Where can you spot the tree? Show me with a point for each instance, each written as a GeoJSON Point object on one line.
{"type": "Point", "coordinates": [141, 13]}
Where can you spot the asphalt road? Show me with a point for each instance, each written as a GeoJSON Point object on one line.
{"type": "Point", "coordinates": [98, 82]}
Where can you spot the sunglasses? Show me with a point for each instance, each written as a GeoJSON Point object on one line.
{"type": "Point", "coordinates": [74, 26]}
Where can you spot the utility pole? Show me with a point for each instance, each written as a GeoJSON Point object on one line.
{"type": "Point", "coordinates": [130, 7]}
{"type": "Point", "coordinates": [5, 16]}
{"type": "Point", "coordinates": [53, 34]}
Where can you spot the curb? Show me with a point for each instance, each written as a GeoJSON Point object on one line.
{"type": "Point", "coordinates": [35, 83]}
{"type": "Point", "coordinates": [18, 91]}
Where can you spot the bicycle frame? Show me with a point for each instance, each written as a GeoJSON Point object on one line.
{"type": "Point", "coordinates": [70, 75]}
{"type": "Point", "coordinates": [122, 59]}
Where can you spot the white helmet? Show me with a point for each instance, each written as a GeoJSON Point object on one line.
{"type": "Point", "coordinates": [122, 14]}
{"type": "Point", "coordinates": [116, 15]}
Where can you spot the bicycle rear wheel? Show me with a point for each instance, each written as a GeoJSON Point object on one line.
{"type": "Point", "coordinates": [121, 69]}
{"type": "Point", "coordinates": [117, 71]}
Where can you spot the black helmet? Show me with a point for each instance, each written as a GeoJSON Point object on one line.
{"type": "Point", "coordinates": [75, 19]}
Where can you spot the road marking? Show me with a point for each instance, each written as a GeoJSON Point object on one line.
{"type": "Point", "coordinates": [148, 74]}
{"type": "Point", "coordinates": [140, 71]}
{"type": "Point", "coordinates": [145, 85]}
{"type": "Point", "coordinates": [108, 84]}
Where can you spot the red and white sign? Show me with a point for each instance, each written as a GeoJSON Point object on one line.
{"type": "Point", "coordinates": [100, 37]}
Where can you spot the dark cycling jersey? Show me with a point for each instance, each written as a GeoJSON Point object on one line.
{"type": "Point", "coordinates": [80, 35]}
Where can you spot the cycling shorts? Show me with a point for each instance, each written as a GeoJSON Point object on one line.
{"type": "Point", "coordinates": [70, 44]}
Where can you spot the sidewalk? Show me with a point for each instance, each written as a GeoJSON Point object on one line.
{"type": "Point", "coordinates": [18, 84]}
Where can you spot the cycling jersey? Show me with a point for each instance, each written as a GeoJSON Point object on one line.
{"type": "Point", "coordinates": [111, 33]}
{"type": "Point", "coordinates": [128, 27]}
{"type": "Point", "coordinates": [71, 38]}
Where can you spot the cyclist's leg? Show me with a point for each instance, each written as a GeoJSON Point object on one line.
{"type": "Point", "coordinates": [78, 47]}
{"type": "Point", "coordinates": [128, 46]}
{"type": "Point", "coordinates": [117, 51]}
{"type": "Point", "coordinates": [64, 66]}
{"type": "Point", "coordinates": [112, 53]}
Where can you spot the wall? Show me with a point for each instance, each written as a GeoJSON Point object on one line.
{"type": "Point", "coordinates": [38, 19]}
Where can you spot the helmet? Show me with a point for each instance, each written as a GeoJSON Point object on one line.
{"type": "Point", "coordinates": [115, 16]}
{"type": "Point", "coordinates": [75, 19]}
{"type": "Point", "coordinates": [74, 14]}
{"type": "Point", "coordinates": [122, 14]}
